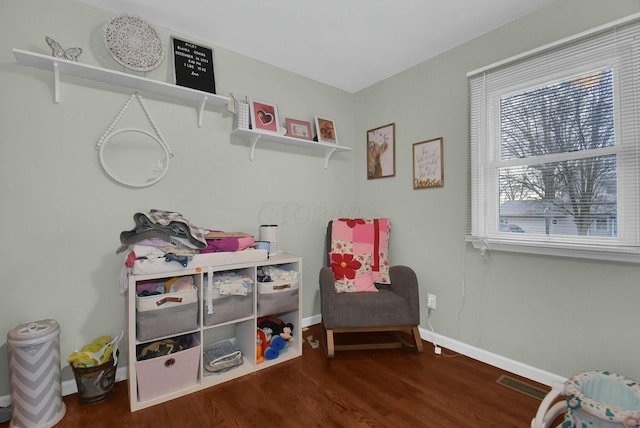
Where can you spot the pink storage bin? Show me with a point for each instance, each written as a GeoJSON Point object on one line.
{"type": "Point", "coordinates": [170, 373]}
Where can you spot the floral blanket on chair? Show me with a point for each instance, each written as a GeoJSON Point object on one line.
{"type": "Point", "coordinates": [358, 253]}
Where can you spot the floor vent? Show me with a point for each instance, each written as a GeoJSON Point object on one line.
{"type": "Point", "coordinates": [520, 386]}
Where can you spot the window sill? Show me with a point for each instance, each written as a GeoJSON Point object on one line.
{"type": "Point", "coordinates": [581, 251]}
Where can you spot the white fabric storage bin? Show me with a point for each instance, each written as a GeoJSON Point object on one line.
{"type": "Point", "coordinates": [277, 297]}
{"type": "Point", "coordinates": [226, 307]}
{"type": "Point", "coordinates": [169, 373]}
{"type": "Point", "coordinates": [166, 314]}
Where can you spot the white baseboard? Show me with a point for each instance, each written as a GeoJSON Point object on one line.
{"type": "Point", "coordinates": [314, 319]}
{"type": "Point", "coordinates": [492, 359]}
{"type": "Point", "coordinates": [521, 369]}
{"type": "Point", "coordinates": [512, 366]}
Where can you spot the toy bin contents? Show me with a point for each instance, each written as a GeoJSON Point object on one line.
{"type": "Point", "coordinates": [94, 368]}
{"type": "Point", "coordinates": [273, 351]}
{"type": "Point", "coordinates": [272, 337]}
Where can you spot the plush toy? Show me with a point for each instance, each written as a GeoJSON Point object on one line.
{"type": "Point", "coordinates": [264, 337]}
{"type": "Point", "coordinates": [259, 357]}
{"type": "Point", "coordinates": [276, 345]}
{"type": "Point", "coordinates": [277, 327]}
{"type": "Point", "coordinates": [268, 345]}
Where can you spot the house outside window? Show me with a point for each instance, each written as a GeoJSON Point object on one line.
{"type": "Point", "coordinates": [554, 148]}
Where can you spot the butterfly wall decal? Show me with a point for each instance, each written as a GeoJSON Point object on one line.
{"type": "Point", "coordinates": [71, 54]}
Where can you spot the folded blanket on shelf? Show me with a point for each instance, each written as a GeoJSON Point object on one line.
{"type": "Point", "coordinates": [164, 241]}
{"type": "Point", "coordinates": [228, 243]}
{"type": "Point", "coordinates": [167, 225]}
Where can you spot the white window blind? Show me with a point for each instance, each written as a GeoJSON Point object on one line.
{"type": "Point", "coordinates": [554, 148]}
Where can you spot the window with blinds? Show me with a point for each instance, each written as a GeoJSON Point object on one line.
{"type": "Point", "coordinates": [554, 148]}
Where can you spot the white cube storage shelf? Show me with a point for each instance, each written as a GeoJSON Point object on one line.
{"type": "Point", "coordinates": [234, 318]}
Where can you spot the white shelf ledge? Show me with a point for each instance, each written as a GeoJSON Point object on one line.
{"type": "Point", "coordinates": [61, 66]}
{"type": "Point", "coordinates": [255, 136]}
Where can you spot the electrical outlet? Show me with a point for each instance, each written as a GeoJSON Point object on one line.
{"type": "Point", "coordinates": [431, 301]}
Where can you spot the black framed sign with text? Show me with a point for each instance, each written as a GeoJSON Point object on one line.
{"type": "Point", "coordinates": [193, 66]}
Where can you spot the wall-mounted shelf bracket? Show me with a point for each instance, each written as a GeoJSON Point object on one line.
{"type": "Point", "coordinates": [253, 142]}
{"type": "Point", "coordinates": [327, 156]}
{"type": "Point", "coordinates": [201, 110]}
{"type": "Point", "coordinates": [56, 83]}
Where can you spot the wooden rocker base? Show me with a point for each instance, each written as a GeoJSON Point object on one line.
{"type": "Point", "coordinates": [398, 341]}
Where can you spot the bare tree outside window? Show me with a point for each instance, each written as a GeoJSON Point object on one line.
{"type": "Point", "coordinates": [556, 174]}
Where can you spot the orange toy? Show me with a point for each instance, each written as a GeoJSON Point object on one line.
{"type": "Point", "coordinates": [259, 357]}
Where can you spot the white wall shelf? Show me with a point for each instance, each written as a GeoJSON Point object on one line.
{"type": "Point", "coordinates": [255, 136]}
{"type": "Point", "coordinates": [201, 99]}
{"type": "Point", "coordinates": [62, 66]}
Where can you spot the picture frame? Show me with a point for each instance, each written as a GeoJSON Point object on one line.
{"type": "Point", "coordinates": [326, 129]}
{"type": "Point", "coordinates": [193, 65]}
{"type": "Point", "coordinates": [428, 166]}
{"type": "Point", "coordinates": [264, 116]}
{"type": "Point", "coordinates": [298, 129]}
{"type": "Point", "coordinates": [381, 152]}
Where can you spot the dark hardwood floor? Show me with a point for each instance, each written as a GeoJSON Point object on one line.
{"type": "Point", "coordinates": [380, 388]}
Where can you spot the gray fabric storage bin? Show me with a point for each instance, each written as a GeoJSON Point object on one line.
{"type": "Point", "coordinates": [167, 321]}
{"type": "Point", "coordinates": [276, 303]}
{"type": "Point", "coordinates": [227, 308]}
{"type": "Point", "coordinates": [166, 314]}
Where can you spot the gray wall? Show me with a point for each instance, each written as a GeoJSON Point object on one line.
{"type": "Point", "coordinates": [561, 315]}
{"type": "Point", "coordinates": [62, 216]}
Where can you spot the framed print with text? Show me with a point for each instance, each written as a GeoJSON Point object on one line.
{"type": "Point", "coordinates": [427, 164]}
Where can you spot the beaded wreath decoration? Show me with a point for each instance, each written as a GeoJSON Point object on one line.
{"type": "Point", "coordinates": [133, 43]}
{"type": "Point", "coordinates": [162, 164]}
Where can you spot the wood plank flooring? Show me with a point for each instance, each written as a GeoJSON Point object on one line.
{"type": "Point", "coordinates": [380, 388]}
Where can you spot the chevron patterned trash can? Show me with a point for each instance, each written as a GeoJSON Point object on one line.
{"type": "Point", "coordinates": [34, 374]}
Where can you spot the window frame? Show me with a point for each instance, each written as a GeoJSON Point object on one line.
{"type": "Point", "coordinates": [484, 222]}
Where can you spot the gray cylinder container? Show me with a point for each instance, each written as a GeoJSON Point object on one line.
{"type": "Point", "coordinates": [34, 374]}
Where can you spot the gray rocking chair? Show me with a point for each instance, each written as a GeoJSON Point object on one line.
{"type": "Point", "coordinates": [395, 308]}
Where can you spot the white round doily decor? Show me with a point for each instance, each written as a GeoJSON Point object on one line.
{"type": "Point", "coordinates": [133, 43]}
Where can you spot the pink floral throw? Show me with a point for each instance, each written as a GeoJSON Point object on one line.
{"type": "Point", "coordinates": [354, 237]}
{"type": "Point", "coordinates": [352, 273]}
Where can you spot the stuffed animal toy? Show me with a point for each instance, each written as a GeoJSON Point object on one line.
{"type": "Point", "coordinates": [277, 327]}
{"type": "Point", "coordinates": [276, 345]}
{"type": "Point", "coordinates": [269, 345]}
{"type": "Point", "coordinates": [264, 339]}
{"type": "Point", "coordinates": [259, 357]}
